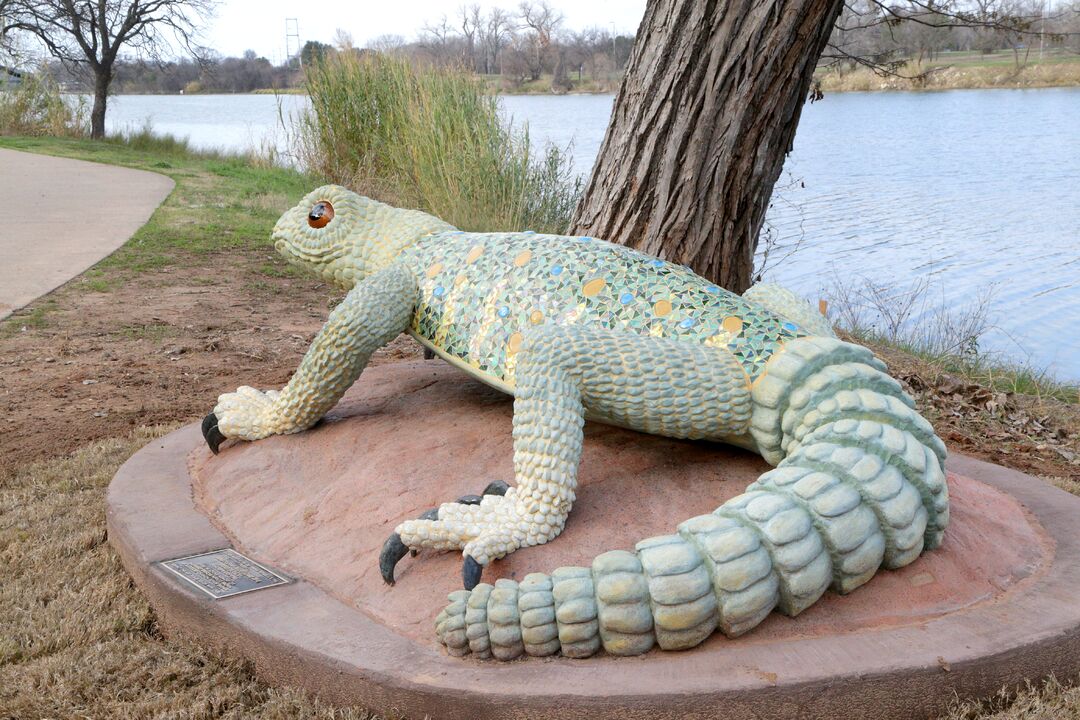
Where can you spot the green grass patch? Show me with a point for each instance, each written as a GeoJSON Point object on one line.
{"type": "Point", "coordinates": [262, 287]}
{"type": "Point", "coordinates": [155, 332]}
{"type": "Point", "coordinates": [36, 317]}
{"type": "Point", "coordinates": [1054, 56]}
{"type": "Point", "coordinates": [145, 140]}
{"type": "Point", "coordinates": [95, 280]}
{"type": "Point", "coordinates": [281, 270]}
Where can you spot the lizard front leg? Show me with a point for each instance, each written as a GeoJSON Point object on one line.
{"type": "Point", "coordinates": [374, 312]}
{"type": "Point", "coordinates": [655, 385]}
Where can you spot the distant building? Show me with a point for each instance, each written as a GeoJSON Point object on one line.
{"type": "Point", "coordinates": [10, 77]}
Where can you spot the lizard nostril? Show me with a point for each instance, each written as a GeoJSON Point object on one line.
{"type": "Point", "coordinates": [320, 214]}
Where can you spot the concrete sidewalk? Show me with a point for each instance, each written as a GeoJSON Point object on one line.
{"type": "Point", "coordinates": [58, 217]}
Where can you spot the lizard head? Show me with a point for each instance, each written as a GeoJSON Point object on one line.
{"type": "Point", "coordinates": [344, 237]}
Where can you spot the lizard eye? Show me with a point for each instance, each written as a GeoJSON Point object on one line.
{"type": "Point", "coordinates": [321, 214]}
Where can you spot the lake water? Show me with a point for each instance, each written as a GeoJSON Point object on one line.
{"type": "Point", "coordinates": [973, 191]}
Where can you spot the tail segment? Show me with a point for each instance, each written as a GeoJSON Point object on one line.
{"type": "Point", "coordinates": [859, 483]}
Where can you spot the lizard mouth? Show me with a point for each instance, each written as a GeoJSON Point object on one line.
{"type": "Point", "coordinates": [313, 255]}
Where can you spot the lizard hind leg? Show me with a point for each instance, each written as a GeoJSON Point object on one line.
{"type": "Point", "coordinates": [655, 385]}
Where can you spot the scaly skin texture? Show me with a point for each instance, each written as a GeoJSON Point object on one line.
{"type": "Point", "coordinates": [577, 328]}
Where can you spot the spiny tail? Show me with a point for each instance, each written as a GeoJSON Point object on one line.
{"type": "Point", "coordinates": [859, 484]}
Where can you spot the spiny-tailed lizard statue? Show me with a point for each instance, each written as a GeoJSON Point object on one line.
{"type": "Point", "coordinates": [577, 328]}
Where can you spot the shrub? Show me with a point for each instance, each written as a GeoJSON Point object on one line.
{"type": "Point", "coordinates": [37, 107]}
{"type": "Point", "coordinates": [430, 138]}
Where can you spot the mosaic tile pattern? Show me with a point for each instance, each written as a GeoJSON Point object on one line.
{"type": "Point", "coordinates": [479, 293]}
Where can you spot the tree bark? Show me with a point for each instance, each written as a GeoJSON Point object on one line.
{"type": "Point", "coordinates": [101, 98]}
{"type": "Point", "coordinates": [704, 117]}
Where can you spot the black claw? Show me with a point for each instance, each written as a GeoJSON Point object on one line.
{"type": "Point", "coordinates": [496, 487]}
{"type": "Point", "coordinates": [471, 572]}
{"type": "Point", "coordinates": [392, 551]}
{"type": "Point", "coordinates": [211, 434]}
{"type": "Point", "coordinates": [470, 499]}
{"type": "Point", "coordinates": [429, 354]}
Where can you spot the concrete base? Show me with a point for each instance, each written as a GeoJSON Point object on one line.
{"type": "Point", "coordinates": [994, 606]}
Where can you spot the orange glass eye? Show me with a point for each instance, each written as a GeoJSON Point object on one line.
{"type": "Point", "coordinates": [321, 214]}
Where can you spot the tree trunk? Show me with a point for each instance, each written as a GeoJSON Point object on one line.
{"type": "Point", "coordinates": [702, 122]}
{"type": "Point", "coordinates": [101, 97]}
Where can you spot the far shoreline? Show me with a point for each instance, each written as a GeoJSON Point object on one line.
{"type": "Point", "coordinates": [825, 88]}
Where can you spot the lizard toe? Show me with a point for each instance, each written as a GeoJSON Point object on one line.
{"type": "Point", "coordinates": [496, 487]}
{"type": "Point", "coordinates": [471, 572]}
{"type": "Point", "coordinates": [392, 552]}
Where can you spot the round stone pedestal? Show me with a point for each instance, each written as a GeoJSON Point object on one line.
{"type": "Point", "coordinates": [994, 606]}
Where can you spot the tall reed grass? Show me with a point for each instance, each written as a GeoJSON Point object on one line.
{"type": "Point", "coordinates": [430, 138]}
{"type": "Point", "coordinates": [37, 107]}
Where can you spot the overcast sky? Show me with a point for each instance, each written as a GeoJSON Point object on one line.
{"type": "Point", "coordinates": [259, 25]}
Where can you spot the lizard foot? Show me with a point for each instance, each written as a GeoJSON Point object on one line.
{"type": "Point", "coordinates": [247, 414]}
{"type": "Point", "coordinates": [394, 549]}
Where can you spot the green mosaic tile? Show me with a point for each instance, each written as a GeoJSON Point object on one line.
{"type": "Point", "coordinates": [481, 292]}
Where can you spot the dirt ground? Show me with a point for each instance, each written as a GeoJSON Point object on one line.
{"type": "Point", "coordinates": [158, 349]}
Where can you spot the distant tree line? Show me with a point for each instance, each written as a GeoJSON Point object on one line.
{"type": "Point", "coordinates": [520, 46]}
{"type": "Point", "coordinates": [209, 74]}
{"type": "Point", "coordinates": [531, 45]}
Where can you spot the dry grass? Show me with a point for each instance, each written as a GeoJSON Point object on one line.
{"type": "Point", "coordinates": [1047, 701]}
{"type": "Point", "coordinates": [945, 77]}
{"type": "Point", "coordinates": [37, 107]}
{"type": "Point", "coordinates": [431, 139]}
{"type": "Point", "coordinates": [79, 640]}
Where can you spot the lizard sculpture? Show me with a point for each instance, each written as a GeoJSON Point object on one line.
{"type": "Point", "coordinates": [576, 328]}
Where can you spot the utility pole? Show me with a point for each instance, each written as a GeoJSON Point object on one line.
{"type": "Point", "coordinates": [292, 37]}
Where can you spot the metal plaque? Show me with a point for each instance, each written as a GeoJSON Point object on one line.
{"type": "Point", "coordinates": [224, 573]}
